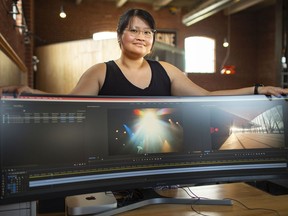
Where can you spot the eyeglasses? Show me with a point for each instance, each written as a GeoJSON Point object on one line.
{"type": "Point", "coordinates": [148, 33]}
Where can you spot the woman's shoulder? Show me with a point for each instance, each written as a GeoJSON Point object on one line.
{"type": "Point", "coordinates": [96, 70]}
{"type": "Point", "coordinates": [110, 62]}
{"type": "Point", "coordinates": [98, 66]}
{"type": "Point", "coordinates": [156, 62]}
{"type": "Point", "coordinates": [171, 70]}
{"type": "Point", "coordinates": [166, 64]}
{"type": "Point", "coordinates": [169, 67]}
{"type": "Point", "coordinates": [162, 63]}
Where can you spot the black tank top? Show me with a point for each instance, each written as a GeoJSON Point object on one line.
{"type": "Point", "coordinates": [116, 84]}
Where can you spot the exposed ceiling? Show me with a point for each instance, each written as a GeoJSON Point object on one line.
{"type": "Point", "coordinates": [196, 9]}
{"type": "Point", "coordinates": [157, 4]}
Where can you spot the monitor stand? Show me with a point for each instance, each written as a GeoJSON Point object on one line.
{"type": "Point", "coordinates": [148, 197]}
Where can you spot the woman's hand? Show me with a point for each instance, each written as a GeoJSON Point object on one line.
{"type": "Point", "coordinates": [18, 90]}
{"type": "Point", "coordinates": [271, 90]}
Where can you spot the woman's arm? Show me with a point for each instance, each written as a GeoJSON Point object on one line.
{"type": "Point", "coordinates": [89, 84]}
{"type": "Point", "coordinates": [181, 85]}
{"type": "Point", "coordinates": [91, 81]}
{"type": "Point", "coordinates": [19, 90]}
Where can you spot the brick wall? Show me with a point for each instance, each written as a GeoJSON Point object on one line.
{"type": "Point", "coordinates": [16, 40]}
{"type": "Point", "coordinates": [8, 30]}
{"type": "Point", "coordinates": [28, 8]}
{"type": "Point", "coordinates": [252, 36]}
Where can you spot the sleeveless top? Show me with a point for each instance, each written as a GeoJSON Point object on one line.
{"type": "Point", "coordinates": [116, 84]}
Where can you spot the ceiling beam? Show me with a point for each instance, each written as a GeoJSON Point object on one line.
{"type": "Point", "coordinates": [202, 12]}
{"type": "Point", "coordinates": [241, 5]}
{"type": "Point", "coordinates": [120, 3]}
{"type": "Point", "coordinates": [78, 2]}
{"type": "Point", "coordinates": [160, 3]}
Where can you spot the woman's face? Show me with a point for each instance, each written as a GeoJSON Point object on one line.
{"type": "Point", "coordinates": [137, 39]}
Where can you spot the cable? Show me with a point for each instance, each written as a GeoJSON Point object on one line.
{"type": "Point", "coordinates": [194, 196]}
{"type": "Point", "coordinates": [228, 39]}
{"type": "Point", "coordinates": [254, 209]}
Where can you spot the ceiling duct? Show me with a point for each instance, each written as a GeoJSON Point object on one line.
{"type": "Point", "coordinates": [203, 11]}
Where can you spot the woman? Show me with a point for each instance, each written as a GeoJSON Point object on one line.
{"type": "Point", "coordinates": [133, 75]}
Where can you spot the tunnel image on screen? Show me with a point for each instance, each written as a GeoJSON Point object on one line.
{"type": "Point", "coordinates": [145, 130]}
{"type": "Point", "coordinates": [234, 128]}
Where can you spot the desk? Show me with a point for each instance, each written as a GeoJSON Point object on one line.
{"type": "Point", "coordinates": [248, 195]}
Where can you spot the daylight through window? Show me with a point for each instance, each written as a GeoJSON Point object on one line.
{"type": "Point", "coordinates": [199, 55]}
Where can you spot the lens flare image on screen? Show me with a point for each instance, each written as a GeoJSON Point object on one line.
{"type": "Point", "coordinates": [236, 128]}
{"type": "Point", "coordinates": [147, 130]}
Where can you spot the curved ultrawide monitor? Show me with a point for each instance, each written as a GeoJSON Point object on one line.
{"type": "Point", "coordinates": [54, 145]}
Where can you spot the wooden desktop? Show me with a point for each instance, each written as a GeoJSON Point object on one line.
{"type": "Point", "coordinates": [257, 202]}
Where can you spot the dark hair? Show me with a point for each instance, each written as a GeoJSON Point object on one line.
{"type": "Point", "coordinates": [128, 15]}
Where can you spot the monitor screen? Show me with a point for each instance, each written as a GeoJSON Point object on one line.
{"type": "Point", "coordinates": [55, 145]}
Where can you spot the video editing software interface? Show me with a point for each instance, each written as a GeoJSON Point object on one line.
{"type": "Point", "coordinates": [63, 143]}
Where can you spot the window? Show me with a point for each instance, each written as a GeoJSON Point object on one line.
{"type": "Point", "coordinates": [199, 55]}
{"type": "Point", "coordinates": [104, 35]}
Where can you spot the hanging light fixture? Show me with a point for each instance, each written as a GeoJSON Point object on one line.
{"type": "Point", "coordinates": [62, 13]}
{"type": "Point", "coordinates": [225, 42]}
{"type": "Point", "coordinates": [15, 10]}
{"type": "Point", "coordinates": [227, 69]}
